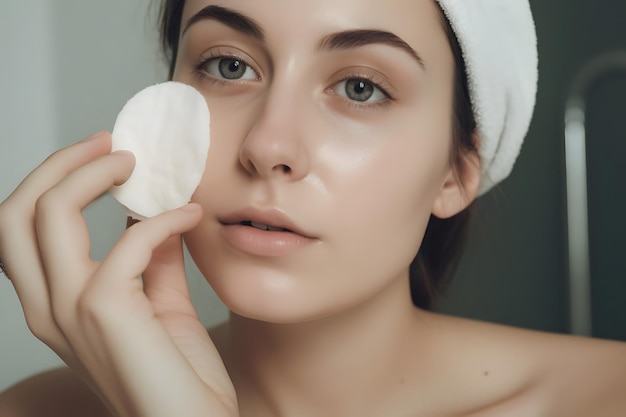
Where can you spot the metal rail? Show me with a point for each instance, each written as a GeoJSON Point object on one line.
{"type": "Point", "coordinates": [576, 178]}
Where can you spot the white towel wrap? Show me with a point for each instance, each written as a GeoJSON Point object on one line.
{"type": "Point", "coordinates": [499, 45]}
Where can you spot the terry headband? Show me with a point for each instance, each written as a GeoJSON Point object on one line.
{"type": "Point", "coordinates": [499, 47]}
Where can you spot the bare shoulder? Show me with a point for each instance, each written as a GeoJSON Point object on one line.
{"type": "Point", "coordinates": [545, 374]}
{"type": "Point", "coordinates": [584, 376]}
{"type": "Point", "coordinates": [55, 393]}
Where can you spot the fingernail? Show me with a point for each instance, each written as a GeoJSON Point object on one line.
{"type": "Point", "coordinates": [191, 207]}
{"type": "Point", "coordinates": [124, 152]}
{"type": "Point", "coordinates": [94, 136]}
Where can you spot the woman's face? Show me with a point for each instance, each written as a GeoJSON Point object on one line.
{"type": "Point", "coordinates": [331, 119]}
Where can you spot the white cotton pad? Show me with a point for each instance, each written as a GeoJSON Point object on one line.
{"type": "Point", "coordinates": [167, 128]}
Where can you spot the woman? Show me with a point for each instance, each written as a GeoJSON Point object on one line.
{"type": "Point", "coordinates": [349, 126]}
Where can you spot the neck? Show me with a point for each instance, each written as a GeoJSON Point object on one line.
{"type": "Point", "coordinates": [319, 365]}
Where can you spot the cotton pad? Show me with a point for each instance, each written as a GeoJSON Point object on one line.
{"type": "Point", "coordinates": [167, 128]}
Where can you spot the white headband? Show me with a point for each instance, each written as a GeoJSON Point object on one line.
{"type": "Point", "coordinates": [499, 47]}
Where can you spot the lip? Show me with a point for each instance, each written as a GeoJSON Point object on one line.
{"type": "Point", "coordinates": [254, 241]}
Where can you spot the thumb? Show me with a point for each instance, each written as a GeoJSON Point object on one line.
{"type": "Point", "coordinates": [165, 280]}
{"type": "Point", "coordinates": [166, 286]}
{"type": "Point", "coordinates": [166, 271]}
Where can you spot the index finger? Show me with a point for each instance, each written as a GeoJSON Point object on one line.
{"type": "Point", "coordinates": [62, 231]}
{"type": "Point", "coordinates": [19, 248]}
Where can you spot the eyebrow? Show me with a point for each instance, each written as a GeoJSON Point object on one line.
{"type": "Point", "coordinates": [230, 18]}
{"type": "Point", "coordinates": [341, 40]}
{"type": "Point", "coordinates": [362, 37]}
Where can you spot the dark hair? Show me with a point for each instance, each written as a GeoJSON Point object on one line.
{"type": "Point", "coordinates": [170, 19]}
{"type": "Point", "coordinates": [441, 248]}
{"type": "Point", "coordinates": [444, 239]}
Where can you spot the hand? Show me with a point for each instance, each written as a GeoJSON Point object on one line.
{"type": "Point", "coordinates": [138, 344]}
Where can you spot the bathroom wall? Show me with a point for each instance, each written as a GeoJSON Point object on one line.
{"type": "Point", "coordinates": [29, 122]}
{"type": "Point", "coordinates": [68, 66]}
{"type": "Point", "coordinates": [515, 267]}
{"type": "Point", "coordinates": [607, 205]}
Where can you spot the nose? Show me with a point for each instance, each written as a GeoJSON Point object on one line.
{"type": "Point", "coordinates": [274, 146]}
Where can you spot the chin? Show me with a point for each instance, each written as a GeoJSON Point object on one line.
{"type": "Point", "coordinates": [269, 300]}
{"type": "Point", "coordinates": [276, 297]}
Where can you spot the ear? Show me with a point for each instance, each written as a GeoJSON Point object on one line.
{"type": "Point", "coordinates": [460, 187]}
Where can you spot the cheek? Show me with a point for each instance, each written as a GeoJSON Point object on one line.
{"type": "Point", "coordinates": [392, 180]}
{"type": "Point", "coordinates": [384, 202]}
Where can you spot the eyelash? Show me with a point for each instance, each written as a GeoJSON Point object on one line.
{"type": "Point", "coordinates": [201, 73]}
{"type": "Point", "coordinates": [379, 84]}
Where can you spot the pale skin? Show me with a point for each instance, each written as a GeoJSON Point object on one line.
{"type": "Point", "coordinates": [322, 323]}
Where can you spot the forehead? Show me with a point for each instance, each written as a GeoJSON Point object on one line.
{"type": "Point", "coordinates": [417, 22]}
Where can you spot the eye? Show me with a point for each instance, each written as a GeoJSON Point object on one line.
{"type": "Point", "coordinates": [361, 90]}
{"type": "Point", "coordinates": [230, 68]}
